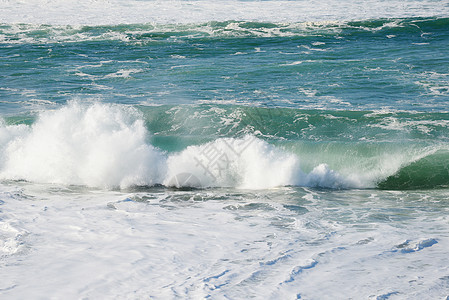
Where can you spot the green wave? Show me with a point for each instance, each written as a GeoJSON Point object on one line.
{"type": "Point", "coordinates": [28, 33]}
{"type": "Point", "coordinates": [429, 172]}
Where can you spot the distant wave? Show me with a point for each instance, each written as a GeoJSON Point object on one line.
{"type": "Point", "coordinates": [150, 32]}
{"type": "Point", "coordinates": [109, 146]}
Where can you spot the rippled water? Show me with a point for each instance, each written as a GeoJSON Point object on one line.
{"type": "Point", "coordinates": [229, 149]}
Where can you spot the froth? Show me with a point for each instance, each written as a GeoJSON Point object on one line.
{"type": "Point", "coordinates": [95, 145]}
{"type": "Point", "coordinates": [246, 163]}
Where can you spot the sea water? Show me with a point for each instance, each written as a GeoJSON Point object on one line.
{"type": "Point", "coordinates": [224, 149]}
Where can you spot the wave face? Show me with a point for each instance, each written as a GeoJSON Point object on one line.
{"type": "Point", "coordinates": [110, 145]}
{"type": "Point", "coordinates": [428, 172]}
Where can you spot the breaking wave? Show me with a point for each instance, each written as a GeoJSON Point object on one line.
{"type": "Point", "coordinates": [38, 33]}
{"type": "Point", "coordinates": [109, 146]}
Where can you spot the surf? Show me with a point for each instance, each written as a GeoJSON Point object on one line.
{"type": "Point", "coordinates": [119, 146]}
{"type": "Point", "coordinates": [154, 33]}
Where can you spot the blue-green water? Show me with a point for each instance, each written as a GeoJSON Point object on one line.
{"type": "Point", "coordinates": [396, 64]}
{"type": "Point", "coordinates": [331, 92]}
{"type": "Point", "coordinates": [226, 159]}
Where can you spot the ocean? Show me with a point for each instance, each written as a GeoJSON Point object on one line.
{"type": "Point", "coordinates": [224, 149]}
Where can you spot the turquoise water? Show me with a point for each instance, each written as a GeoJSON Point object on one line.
{"type": "Point", "coordinates": [330, 93]}
{"type": "Point", "coordinates": [226, 158]}
{"type": "Point", "coordinates": [378, 64]}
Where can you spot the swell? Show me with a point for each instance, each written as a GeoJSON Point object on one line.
{"type": "Point", "coordinates": [156, 33]}
{"type": "Point", "coordinates": [110, 145]}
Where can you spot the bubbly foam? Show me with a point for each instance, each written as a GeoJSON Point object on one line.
{"type": "Point", "coordinates": [94, 145]}
{"type": "Point", "coordinates": [246, 163]}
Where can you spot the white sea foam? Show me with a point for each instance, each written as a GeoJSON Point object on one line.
{"type": "Point", "coordinates": [424, 126]}
{"type": "Point", "coordinates": [93, 145]}
{"type": "Point", "coordinates": [280, 244]}
{"type": "Point", "coordinates": [168, 12]}
{"type": "Point", "coordinates": [123, 73]}
{"type": "Point", "coordinates": [245, 163]}
{"type": "Point", "coordinates": [10, 238]}
{"type": "Point", "coordinates": [250, 163]}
